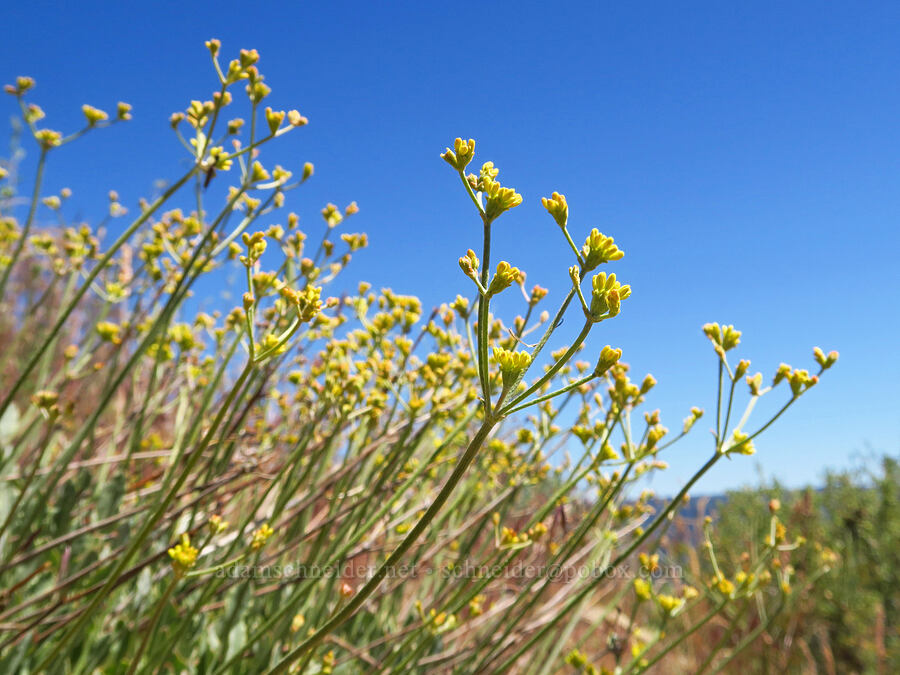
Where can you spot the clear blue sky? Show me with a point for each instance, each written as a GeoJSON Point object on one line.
{"type": "Point", "coordinates": [746, 159]}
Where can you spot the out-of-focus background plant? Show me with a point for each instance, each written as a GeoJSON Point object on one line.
{"type": "Point", "coordinates": [845, 621]}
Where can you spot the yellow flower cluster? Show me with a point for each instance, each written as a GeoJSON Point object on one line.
{"type": "Point", "coordinates": [461, 155]}
{"type": "Point", "coordinates": [511, 363]}
{"type": "Point", "coordinates": [724, 338]}
{"type": "Point", "coordinates": [557, 207]}
{"type": "Point", "coordinates": [261, 536]}
{"type": "Point", "coordinates": [599, 249]}
{"type": "Point", "coordinates": [606, 296]}
{"type": "Point", "coordinates": [506, 276]}
{"type": "Point", "coordinates": [183, 555]}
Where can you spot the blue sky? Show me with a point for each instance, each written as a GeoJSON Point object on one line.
{"type": "Point", "coordinates": [746, 159]}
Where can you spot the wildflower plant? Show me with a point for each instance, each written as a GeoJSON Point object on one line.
{"type": "Point", "coordinates": [304, 482]}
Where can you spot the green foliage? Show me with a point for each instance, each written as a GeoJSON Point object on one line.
{"type": "Point", "coordinates": [847, 621]}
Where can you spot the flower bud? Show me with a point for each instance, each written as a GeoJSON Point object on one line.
{"type": "Point", "coordinates": [800, 381]}
{"type": "Point", "coordinates": [48, 138]}
{"type": "Point", "coordinates": [258, 173]}
{"type": "Point", "coordinates": [235, 72]}
{"type": "Point", "coordinates": [731, 338]}
{"type": "Point", "coordinates": [599, 249]}
{"type": "Point", "coordinates": [248, 57]}
{"type": "Point", "coordinates": [261, 536]}
{"type": "Point", "coordinates": [332, 215]}
{"type": "Point", "coordinates": [538, 293]}
{"type": "Point", "coordinates": [642, 589]}
{"type": "Point", "coordinates": [295, 119]}
{"type": "Point", "coordinates": [461, 155]}
{"type": "Point", "coordinates": [45, 399]}
{"type": "Point", "coordinates": [511, 363]}
{"type": "Point", "coordinates": [257, 91]}
{"type": "Point", "coordinates": [739, 443]}
{"type": "Point", "coordinates": [713, 332]}
{"type": "Point", "coordinates": [469, 265]}
{"type": "Point", "coordinates": [557, 207]}
{"type": "Point", "coordinates": [34, 113]}
{"type": "Point", "coordinates": [607, 295]}
{"type": "Point", "coordinates": [669, 604]}
{"type": "Point", "coordinates": [755, 383]}
{"type": "Point", "coordinates": [499, 199]}
{"type": "Point", "coordinates": [216, 525]}
{"type": "Point", "coordinates": [783, 371]}
{"type": "Point", "coordinates": [608, 358]}
{"type": "Point", "coordinates": [575, 275]}
{"type": "Point", "coordinates": [274, 118]}
{"type": "Point", "coordinates": [505, 277]}
{"type": "Point", "coordinates": [696, 414]}
{"type": "Point", "coordinates": [723, 338]}
{"type": "Point", "coordinates": [607, 453]}
{"type": "Point", "coordinates": [93, 115]}
{"type": "Point", "coordinates": [256, 246]}
{"type": "Point", "coordinates": [825, 361]}
{"type": "Point", "coordinates": [183, 555]}
{"type": "Point", "coordinates": [108, 331]}
{"type": "Point", "coordinates": [22, 85]}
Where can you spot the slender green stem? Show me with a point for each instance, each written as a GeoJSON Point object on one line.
{"type": "Point", "coordinates": [743, 644]}
{"type": "Point", "coordinates": [588, 588]}
{"type": "Point", "coordinates": [557, 319]}
{"type": "Point", "coordinates": [101, 264]}
{"type": "Point", "coordinates": [531, 599]}
{"type": "Point", "coordinates": [150, 630]}
{"type": "Point", "coordinates": [728, 407]}
{"type": "Point", "coordinates": [572, 245]}
{"type": "Point", "coordinates": [483, 320]}
{"type": "Point", "coordinates": [726, 636]}
{"type": "Point", "coordinates": [35, 465]}
{"type": "Point", "coordinates": [26, 228]}
{"type": "Point", "coordinates": [546, 397]}
{"type": "Point", "coordinates": [167, 497]}
{"type": "Point", "coordinates": [563, 360]}
{"type": "Point", "coordinates": [472, 195]}
{"type": "Point", "coordinates": [396, 556]}
{"type": "Point", "coordinates": [657, 522]}
{"type": "Point", "coordinates": [719, 439]}
{"type": "Point", "coordinates": [682, 637]}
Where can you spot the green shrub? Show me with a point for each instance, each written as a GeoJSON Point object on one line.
{"type": "Point", "coordinates": [846, 621]}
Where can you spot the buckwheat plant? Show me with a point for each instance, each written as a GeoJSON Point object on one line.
{"type": "Point", "coordinates": [315, 481]}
